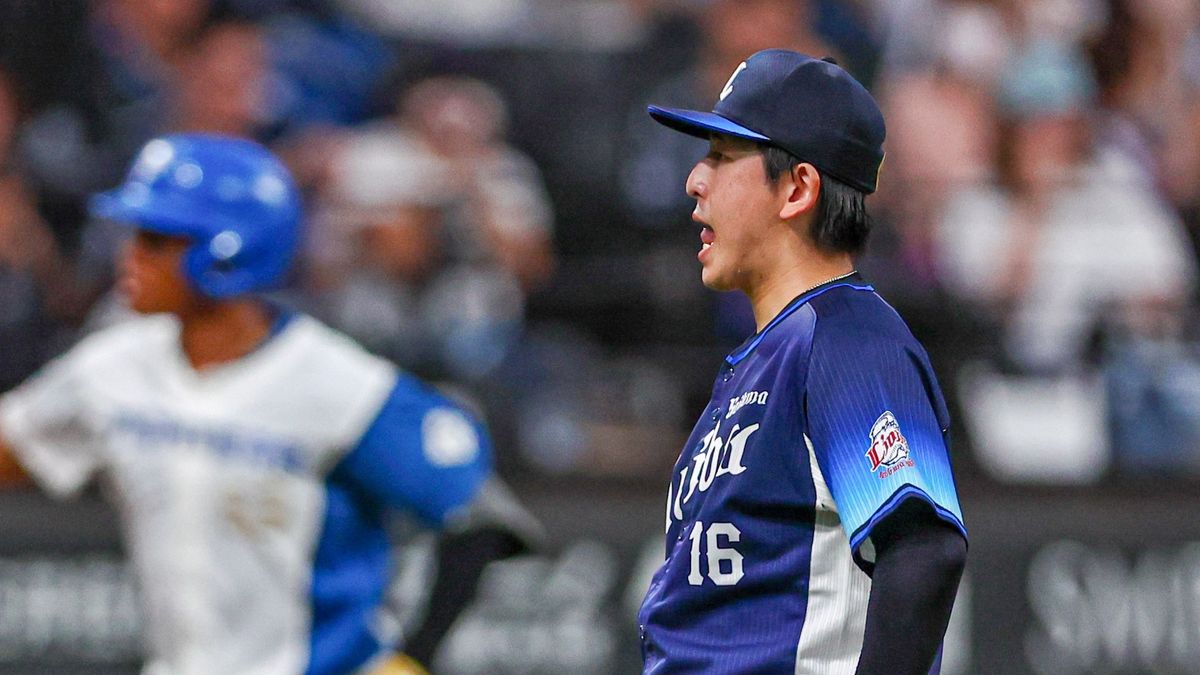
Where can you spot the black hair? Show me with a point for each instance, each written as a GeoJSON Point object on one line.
{"type": "Point", "coordinates": [842, 223]}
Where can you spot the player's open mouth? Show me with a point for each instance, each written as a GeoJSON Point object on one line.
{"type": "Point", "coordinates": [707, 238]}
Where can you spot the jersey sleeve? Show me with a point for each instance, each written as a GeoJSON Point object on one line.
{"type": "Point", "coordinates": [45, 422]}
{"type": "Point", "coordinates": [422, 454]}
{"type": "Point", "coordinates": [877, 425]}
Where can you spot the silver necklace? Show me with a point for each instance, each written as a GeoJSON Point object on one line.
{"type": "Point", "coordinates": [830, 281]}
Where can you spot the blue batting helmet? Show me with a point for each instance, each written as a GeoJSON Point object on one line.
{"type": "Point", "coordinates": [231, 197]}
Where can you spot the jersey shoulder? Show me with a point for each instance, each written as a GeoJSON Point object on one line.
{"type": "Point", "coordinates": [844, 322]}
{"type": "Point", "coordinates": [337, 356]}
{"type": "Point", "coordinates": [128, 344]}
{"type": "Point", "coordinates": [332, 377]}
{"type": "Point", "coordinates": [852, 321]}
{"type": "Point", "coordinates": [861, 343]}
{"type": "Point", "coordinates": [326, 364]}
{"type": "Point", "coordinates": [331, 355]}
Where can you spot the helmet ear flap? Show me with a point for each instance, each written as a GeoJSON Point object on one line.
{"type": "Point", "coordinates": [213, 275]}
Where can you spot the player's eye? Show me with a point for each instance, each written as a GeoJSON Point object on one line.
{"type": "Point", "coordinates": [153, 240]}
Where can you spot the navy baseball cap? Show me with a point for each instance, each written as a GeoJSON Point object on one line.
{"type": "Point", "coordinates": [809, 107]}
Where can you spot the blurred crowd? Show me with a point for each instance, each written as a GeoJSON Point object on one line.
{"type": "Point", "coordinates": [489, 206]}
{"type": "Point", "coordinates": [1042, 203]}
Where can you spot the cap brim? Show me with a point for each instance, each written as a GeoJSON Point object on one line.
{"type": "Point", "coordinates": [701, 124]}
{"type": "Point", "coordinates": [108, 206]}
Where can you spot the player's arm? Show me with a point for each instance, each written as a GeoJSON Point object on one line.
{"type": "Point", "coordinates": [422, 454]}
{"type": "Point", "coordinates": [425, 455]}
{"type": "Point", "coordinates": [497, 527]}
{"type": "Point", "coordinates": [11, 471]}
{"type": "Point", "coordinates": [45, 433]}
{"type": "Point", "coordinates": [919, 560]}
{"type": "Point", "coordinates": [877, 423]}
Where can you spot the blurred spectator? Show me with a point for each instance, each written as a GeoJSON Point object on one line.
{"type": "Point", "coordinates": [1153, 388]}
{"type": "Point", "coordinates": [40, 300]}
{"type": "Point", "coordinates": [1150, 102]}
{"type": "Point", "coordinates": [1147, 96]}
{"type": "Point", "coordinates": [434, 231]}
{"type": "Point", "coordinates": [463, 122]}
{"type": "Point", "coordinates": [969, 37]}
{"type": "Point", "coordinates": [235, 67]}
{"type": "Point", "coordinates": [149, 35]}
{"type": "Point", "coordinates": [941, 137]}
{"type": "Point", "coordinates": [222, 78]}
{"type": "Point", "coordinates": [1149, 109]}
{"type": "Point", "coordinates": [940, 67]}
{"type": "Point", "coordinates": [327, 69]}
{"type": "Point", "coordinates": [589, 25]}
{"type": "Point", "coordinates": [1069, 243]}
{"type": "Point", "coordinates": [77, 145]}
{"type": "Point", "coordinates": [1069, 238]}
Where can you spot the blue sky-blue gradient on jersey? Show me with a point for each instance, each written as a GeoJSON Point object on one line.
{"type": "Point", "coordinates": [863, 367]}
{"type": "Point", "coordinates": [412, 458]}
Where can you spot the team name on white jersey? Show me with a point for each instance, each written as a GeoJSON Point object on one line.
{"type": "Point", "coordinates": [132, 430]}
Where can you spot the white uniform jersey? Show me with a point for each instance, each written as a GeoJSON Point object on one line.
{"type": "Point", "coordinates": [219, 475]}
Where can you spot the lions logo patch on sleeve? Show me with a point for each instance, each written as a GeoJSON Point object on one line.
{"type": "Point", "coordinates": [888, 449]}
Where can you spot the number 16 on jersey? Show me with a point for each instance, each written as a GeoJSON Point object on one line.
{"type": "Point", "coordinates": [724, 563]}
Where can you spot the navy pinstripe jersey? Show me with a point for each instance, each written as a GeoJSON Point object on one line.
{"type": "Point", "coordinates": [818, 427]}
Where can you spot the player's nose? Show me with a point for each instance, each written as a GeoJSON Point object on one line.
{"type": "Point", "coordinates": [697, 183]}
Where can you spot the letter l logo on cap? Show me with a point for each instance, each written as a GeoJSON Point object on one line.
{"type": "Point", "coordinates": [729, 85]}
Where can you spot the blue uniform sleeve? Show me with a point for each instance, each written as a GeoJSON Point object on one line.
{"type": "Point", "coordinates": [422, 454]}
{"type": "Point", "coordinates": [878, 427]}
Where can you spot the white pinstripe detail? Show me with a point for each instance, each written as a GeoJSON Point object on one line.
{"type": "Point", "coordinates": [832, 635]}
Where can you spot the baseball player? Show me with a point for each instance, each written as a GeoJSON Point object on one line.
{"type": "Point", "coordinates": [812, 520]}
{"type": "Point", "coordinates": [253, 452]}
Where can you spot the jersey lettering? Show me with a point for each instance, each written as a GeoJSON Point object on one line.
{"type": "Point", "coordinates": [156, 433]}
{"type": "Point", "coordinates": [748, 398]}
{"type": "Point", "coordinates": [715, 458]}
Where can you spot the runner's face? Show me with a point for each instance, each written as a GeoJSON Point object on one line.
{"type": "Point", "coordinates": [151, 273]}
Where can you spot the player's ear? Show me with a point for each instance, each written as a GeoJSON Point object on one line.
{"type": "Point", "coordinates": [801, 190]}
